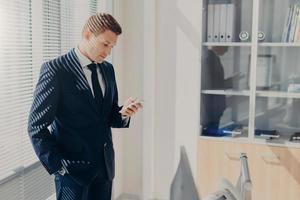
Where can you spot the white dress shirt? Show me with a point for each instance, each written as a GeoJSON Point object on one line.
{"type": "Point", "coordinates": [84, 62]}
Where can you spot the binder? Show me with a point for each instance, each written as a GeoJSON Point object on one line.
{"type": "Point", "coordinates": [210, 23]}
{"type": "Point", "coordinates": [264, 71]}
{"type": "Point", "coordinates": [294, 23]}
{"type": "Point", "coordinates": [297, 27]}
{"type": "Point", "coordinates": [230, 15]}
{"type": "Point", "coordinates": [291, 22]}
{"type": "Point", "coordinates": [223, 11]}
{"type": "Point", "coordinates": [216, 31]}
{"type": "Point", "coordinates": [286, 25]}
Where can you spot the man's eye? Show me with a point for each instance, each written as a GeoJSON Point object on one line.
{"type": "Point", "coordinates": [106, 45]}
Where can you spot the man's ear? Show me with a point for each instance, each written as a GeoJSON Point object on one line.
{"type": "Point", "coordinates": [87, 34]}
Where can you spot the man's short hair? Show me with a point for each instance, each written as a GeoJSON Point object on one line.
{"type": "Point", "coordinates": [101, 22]}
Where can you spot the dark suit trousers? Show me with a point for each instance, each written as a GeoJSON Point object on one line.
{"type": "Point", "coordinates": [67, 189]}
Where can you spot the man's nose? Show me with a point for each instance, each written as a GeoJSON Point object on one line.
{"type": "Point", "coordinates": [108, 51]}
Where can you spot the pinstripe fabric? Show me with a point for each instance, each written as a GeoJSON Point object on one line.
{"type": "Point", "coordinates": [43, 112]}
{"type": "Point", "coordinates": [80, 134]}
{"type": "Point", "coordinates": [74, 66]}
{"type": "Point", "coordinates": [46, 101]}
{"type": "Point", "coordinates": [67, 189]}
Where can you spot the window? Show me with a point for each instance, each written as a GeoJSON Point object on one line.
{"type": "Point", "coordinates": [31, 32]}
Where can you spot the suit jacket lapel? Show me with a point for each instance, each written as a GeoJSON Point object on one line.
{"type": "Point", "coordinates": [81, 80]}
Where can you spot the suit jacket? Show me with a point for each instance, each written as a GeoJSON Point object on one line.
{"type": "Point", "coordinates": [212, 78]}
{"type": "Point", "coordinates": [65, 124]}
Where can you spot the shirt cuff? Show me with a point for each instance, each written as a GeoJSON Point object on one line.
{"type": "Point", "coordinates": [125, 120]}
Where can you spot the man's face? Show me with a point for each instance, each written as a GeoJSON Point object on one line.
{"type": "Point", "coordinates": [99, 47]}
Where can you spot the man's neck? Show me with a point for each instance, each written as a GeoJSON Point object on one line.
{"type": "Point", "coordinates": [82, 50]}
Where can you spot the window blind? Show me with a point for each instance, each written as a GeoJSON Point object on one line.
{"type": "Point", "coordinates": [72, 21]}
{"type": "Point", "coordinates": [15, 83]}
{"type": "Point", "coordinates": [15, 93]}
{"type": "Point", "coordinates": [21, 175]}
{"type": "Point", "coordinates": [51, 29]}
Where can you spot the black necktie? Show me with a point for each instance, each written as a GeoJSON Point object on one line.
{"type": "Point", "coordinates": [98, 96]}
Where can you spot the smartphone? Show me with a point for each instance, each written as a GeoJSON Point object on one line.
{"type": "Point", "coordinates": [137, 102]}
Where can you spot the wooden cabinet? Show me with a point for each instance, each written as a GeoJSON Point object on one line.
{"type": "Point", "coordinates": [274, 171]}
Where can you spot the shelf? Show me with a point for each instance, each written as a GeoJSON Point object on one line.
{"type": "Point", "coordinates": [278, 94]}
{"type": "Point", "coordinates": [278, 44]}
{"type": "Point", "coordinates": [227, 92]}
{"type": "Point", "coordinates": [229, 44]}
{"type": "Point", "coordinates": [228, 139]}
{"type": "Point", "coordinates": [281, 142]}
{"type": "Point", "coordinates": [248, 44]}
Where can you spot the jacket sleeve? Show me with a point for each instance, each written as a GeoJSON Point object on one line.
{"type": "Point", "coordinates": [116, 119]}
{"type": "Point", "coordinates": [41, 116]}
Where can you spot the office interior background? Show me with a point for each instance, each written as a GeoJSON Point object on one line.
{"type": "Point", "coordinates": [146, 60]}
{"type": "Point", "coordinates": [159, 58]}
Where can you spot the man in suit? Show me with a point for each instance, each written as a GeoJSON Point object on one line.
{"type": "Point", "coordinates": [213, 78]}
{"type": "Point", "coordinates": [74, 108]}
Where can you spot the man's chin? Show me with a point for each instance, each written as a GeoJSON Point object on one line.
{"type": "Point", "coordinates": [99, 60]}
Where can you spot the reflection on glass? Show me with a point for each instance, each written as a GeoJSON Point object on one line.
{"type": "Point", "coordinates": [276, 20]}
{"type": "Point", "coordinates": [224, 115]}
{"type": "Point", "coordinates": [271, 22]}
{"type": "Point", "coordinates": [277, 116]}
{"type": "Point", "coordinates": [278, 69]}
{"type": "Point", "coordinates": [225, 68]}
{"type": "Point", "coordinates": [213, 70]}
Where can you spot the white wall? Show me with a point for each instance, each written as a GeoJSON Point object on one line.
{"type": "Point", "coordinates": [178, 61]}
{"type": "Point", "coordinates": [128, 61]}
{"type": "Point", "coordinates": [175, 87]}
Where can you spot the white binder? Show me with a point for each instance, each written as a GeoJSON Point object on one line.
{"type": "Point", "coordinates": [230, 15]}
{"type": "Point", "coordinates": [210, 23]}
{"type": "Point", "coordinates": [223, 11]}
{"type": "Point", "coordinates": [217, 8]}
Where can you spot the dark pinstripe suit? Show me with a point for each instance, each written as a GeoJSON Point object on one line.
{"type": "Point", "coordinates": [80, 134]}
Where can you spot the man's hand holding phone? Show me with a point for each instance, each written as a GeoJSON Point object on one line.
{"type": "Point", "coordinates": [131, 107]}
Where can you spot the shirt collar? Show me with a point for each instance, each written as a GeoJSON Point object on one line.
{"type": "Point", "coordinates": [83, 60]}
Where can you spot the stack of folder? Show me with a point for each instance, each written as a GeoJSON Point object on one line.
{"type": "Point", "coordinates": [220, 22]}
{"type": "Point", "coordinates": [291, 30]}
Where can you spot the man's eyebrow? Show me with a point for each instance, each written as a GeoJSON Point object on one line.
{"type": "Point", "coordinates": [109, 42]}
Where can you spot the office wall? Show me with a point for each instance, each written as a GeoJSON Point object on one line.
{"type": "Point", "coordinates": [178, 60]}
{"type": "Point", "coordinates": [128, 60]}
{"type": "Point", "coordinates": [175, 106]}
